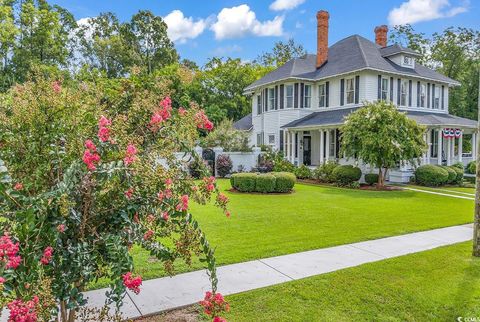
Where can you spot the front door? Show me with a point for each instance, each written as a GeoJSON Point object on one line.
{"type": "Point", "coordinates": [307, 150]}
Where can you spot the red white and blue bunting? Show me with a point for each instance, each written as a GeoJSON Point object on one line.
{"type": "Point", "coordinates": [450, 133]}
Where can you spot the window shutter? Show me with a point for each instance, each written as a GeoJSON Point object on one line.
{"type": "Point", "coordinates": [302, 95]}
{"type": "Point", "coordinates": [398, 91]}
{"type": "Point", "coordinates": [379, 96]}
{"type": "Point", "coordinates": [443, 97]}
{"type": "Point", "coordinates": [282, 96]}
{"type": "Point", "coordinates": [433, 95]}
{"type": "Point", "coordinates": [428, 95]}
{"type": "Point", "coordinates": [295, 95]}
{"type": "Point", "coordinates": [262, 103]}
{"type": "Point", "coordinates": [418, 94]}
{"type": "Point", "coordinates": [327, 91]}
{"type": "Point", "coordinates": [342, 91]}
{"type": "Point", "coordinates": [357, 89]}
{"type": "Point", "coordinates": [391, 89]}
{"type": "Point", "coordinates": [276, 97]}
{"type": "Point", "coordinates": [281, 140]}
{"type": "Point", "coordinates": [410, 93]}
{"type": "Point", "coordinates": [265, 99]}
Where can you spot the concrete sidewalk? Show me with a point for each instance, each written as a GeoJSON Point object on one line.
{"type": "Point", "coordinates": [168, 293]}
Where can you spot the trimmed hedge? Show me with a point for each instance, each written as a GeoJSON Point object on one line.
{"type": "Point", "coordinates": [346, 175]}
{"type": "Point", "coordinates": [459, 174]}
{"type": "Point", "coordinates": [371, 178]}
{"type": "Point", "coordinates": [245, 182]}
{"type": "Point", "coordinates": [263, 182]}
{"type": "Point", "coordinates": [431, 175]}
{"type": "Point", "coordinates": [303, 172]}
{"type": "Point", "coordinates": [452, 174]}
{"type": "Point", "coordinates": [472, 167]}
{"type": "Point", "coordinates": [285, 181]}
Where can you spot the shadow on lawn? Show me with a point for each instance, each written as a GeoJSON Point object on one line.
{"type": "Point", "coordinates": [465, 298]}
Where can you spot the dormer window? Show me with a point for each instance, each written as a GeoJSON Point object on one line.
{"type": "Point", "coordinates": [408, 61]}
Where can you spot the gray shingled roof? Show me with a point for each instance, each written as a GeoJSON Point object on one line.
{"type": "Point", "coordinates": [244, 124]}
{"type": "Point", "coordinates": [348, 55]}
{"type": "Point", "coordinates": [336, 117]}
{"type": "Point", "coordinates": [396, 49]}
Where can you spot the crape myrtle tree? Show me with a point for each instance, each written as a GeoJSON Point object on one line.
{"type": "Point", "coordinates": [380, 135]}
{"type": "Point", "coordinates": [87, 171]}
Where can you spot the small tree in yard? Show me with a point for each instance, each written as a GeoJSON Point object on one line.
{"type": "Point", "coordinates": [75, 220]}
{"type": "Point", "coordinates": [382, 136]}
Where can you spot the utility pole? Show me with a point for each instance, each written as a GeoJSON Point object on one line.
{"type": "Point", "coordinates": [476, 223]}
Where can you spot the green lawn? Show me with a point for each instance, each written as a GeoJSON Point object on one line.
{"type": "Point", "coordinates": [460, 191]}
{"type": "Point", "coordinates": [312, 217]}
{"type": "Point", "coordinates": [437, 285]}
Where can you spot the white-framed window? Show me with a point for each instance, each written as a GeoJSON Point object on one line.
{"type": "Point", "coordinates": [404, 92]}
{"type": "Point", "coordinates": [350, 90]}
{"type": "Point", "coordinates": [322, 95]}
{"type": "Point", "coordinates": [436, 98]}
{"type": "Point", "coordinates": [271, 98]}
{"type": "Point", "coordinates": [434, 144]}
{"type": "Point", "coordinates": [271, 139]}
{"type": "Point", "coordinates": [289, 96]}
{"type": "Point", "coordinates": [384, 88]}
{"type": "Point", "coordinates": [260, 138]}
{"type": "Point", "coordinates": [307, 97]}
{"type": "Point", "coordinates": [407, 61]}
{"type": "Point", "coordinates": [259, 104]}
{"type": "Point", "coordinates": [423, 94]}
{"type": "Point", "coordinates": [331, 144]}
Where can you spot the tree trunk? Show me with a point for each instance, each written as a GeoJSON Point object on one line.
{"type": "Point", "coordinates": [380, 177]}
{"type": "Point", "coordinates": [476, 223]}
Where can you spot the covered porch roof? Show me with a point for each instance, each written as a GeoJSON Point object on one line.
{"type": "Point", "coordinates": [337, 116]}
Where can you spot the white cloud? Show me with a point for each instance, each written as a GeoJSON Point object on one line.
{"type": "Point", "coordinates": [279, 5]}
{"type": "Point", "coordinates": [181, 28]}
{"type": "Point", "coordinates": [413, 11]}
{"type": "Point", "coordinates": [239, 21]}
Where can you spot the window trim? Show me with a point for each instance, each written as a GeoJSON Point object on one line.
{"type": "Point", "coordinates": [435, 98]}
{"type": "Point", "coordinates": [423, 95]}
{"type": "Point", "coordinates": [307, 98]}
{"type": "Point", "coordinates": [269, 136]}
{"type": "Point", "coordinates": [290, 85]}
{"type": "Point", "coordinates": [385, 90]}
{"type": "Point", "coordinates": [404, 86]}
{"type": "Point", "coordinates": [324, 95]}
{"type": "Point", "coordinates": [351, 91]}
{"type": "Point", "coordinates": [271, 100]}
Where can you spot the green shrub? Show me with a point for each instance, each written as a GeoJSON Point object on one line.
{"type": "Point", "coordinates": [431, 175]}
{"type": "Point", "coordinates": [232, 180]}
{"type": "Point", "coordinates": [345, 175]}
{"type": "Point", "coordinates": [459, 174]}
{"type": "Point", "coordinates": [265, 183]}
{"type": "Point", "coordinates": [472, 167]}
{"type": "Point", "coordinates": [371, 178]}
{"type": "Point", "coordinates": [303, 172]}
{"type": "Point", "coordinates": [285, 181]}
{"type": "Point", "coordinates": [245, 182]}
{"type": "Point", "coordinates": [458, 165]}
{"type": "Point", "coordinates": [452, 175]}
{"type": "Point", "coordinates": [283, 165]}
{"type": "Point", "coordinates": [324, 172]}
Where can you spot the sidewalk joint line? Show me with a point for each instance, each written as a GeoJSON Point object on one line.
{"type": "Point", "coordinates": [134, 304]}
{"type": "Point", "coordinates": [368, 251]}
{"type": "Point", "coordinates": [276, 269]}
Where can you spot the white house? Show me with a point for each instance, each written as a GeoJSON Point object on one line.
{"type": "Point", "coordinates": [299, 107]}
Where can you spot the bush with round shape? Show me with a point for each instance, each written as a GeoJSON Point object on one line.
{"type": "Point", "coordinates": [458, 165]}
{"type": "Point", "coordinates": [285, 181]}
{"type": "Point", "coordinates": [245, 182]}
{"type": "Point", "coordinates": [452, 174]}
{"type": "Point", "coordinates": [324, 172]}
{"type": "Point", "coordinates": [265, 183]}
{"type": "Point", "coordinates": [303, 172]}
{"type": "Point", "coordinates": [224, 165]}
{"type": "Point", "coordinates": [431, 175]}
{"type": "Point", "coordinates": [283, 165]}
{"type": "Point", "coordinates": [471, 167]}
{"type": "Point", "coordinates": [371, 178]}
{"type": "Point", "coordinates": [459, 175]}
{"type": "Point", "coordinates": [345, 175]}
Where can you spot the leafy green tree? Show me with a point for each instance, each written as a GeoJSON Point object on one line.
{"type": "Point", "coordinates": [226, 136]}
{"type": "Point", "coordinates": [281, 53]}
{"type": "Point", "coordinates": [146, 35]}
{"type": "Point", "coordinates": [380, 135]}
{"type": "Point", "coordinates": [8, 32]}
{"type": "Point", "coordinates": [406, 36]}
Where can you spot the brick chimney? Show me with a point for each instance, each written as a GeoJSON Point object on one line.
{"type": "Point", "coordinates": [381, 35]}
{"type": "Point", "coordinates": [322, 37]}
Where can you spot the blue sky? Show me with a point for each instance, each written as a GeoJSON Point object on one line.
{"type": "Point", "coordinates": [246, 28]}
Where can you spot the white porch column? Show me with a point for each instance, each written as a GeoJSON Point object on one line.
{"type": "Point", "coordinates": [449, 151]}
{"type": "Point", "coordinates": [287, 146]}
{"type": "Point", "coordinates": [294, 147]}
{"type": "Point", "coordinates": [327, 154]}
{"type": "Point", "coordinates": [429, 145]}
{"type": "Point", "coordinates": [424, 158]}
{"type": "Point", "coordinates": [460, 148]}
{"type": "Point", "coordinates": [322, 155]}
{"type": "Point", "coordinates": [284, 142]}
{"type": "Point", "coordinates": [440, 147]}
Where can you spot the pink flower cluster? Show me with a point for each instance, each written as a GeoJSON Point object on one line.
{"type": "Point", "coordinates": [167, 194]}
{"type": "Point", "coordinates": [21, 311]}
{"type": "Point", "coordinates": [57, 86]}
{"type": "Point", "coordinates": [18, 186]}
{"type": "Point", "coordinates": [2, 280]}
{"type": "Point", "coordinates": [8, 252]}
{"type": "Point", "coordinates": [61, 228]}
{"type": "Point", "coordinates": [163, 113]}
{"type": "Point", "coordinates": [202, 121]}
{"type": "Point", "coordinates": [90, 156]}
{"type": "Point", "coordinates": [129, 193]}
{"type": "Point", "coordinates": [183, 204]}
{"type": "Point", "coordinates": [103, 129]}
{"type": "Point", "coordinates": [47, 256]}
{"type": "Point", "coordinates": [130, 155]}
{"type": "Point", "coordinates": [148, 235]}
{"type": "Point", "coordinates": [213, 305]}
{"type": "Point", "coordinates": [209, 183]}
{"type": "Point", "coordinates": [132, 283]}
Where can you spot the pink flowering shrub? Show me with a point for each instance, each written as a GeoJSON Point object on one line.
{"type": "Point", "coordinates": [98, 193]}
{"type": "Point", "coordinates": [213, 305]}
